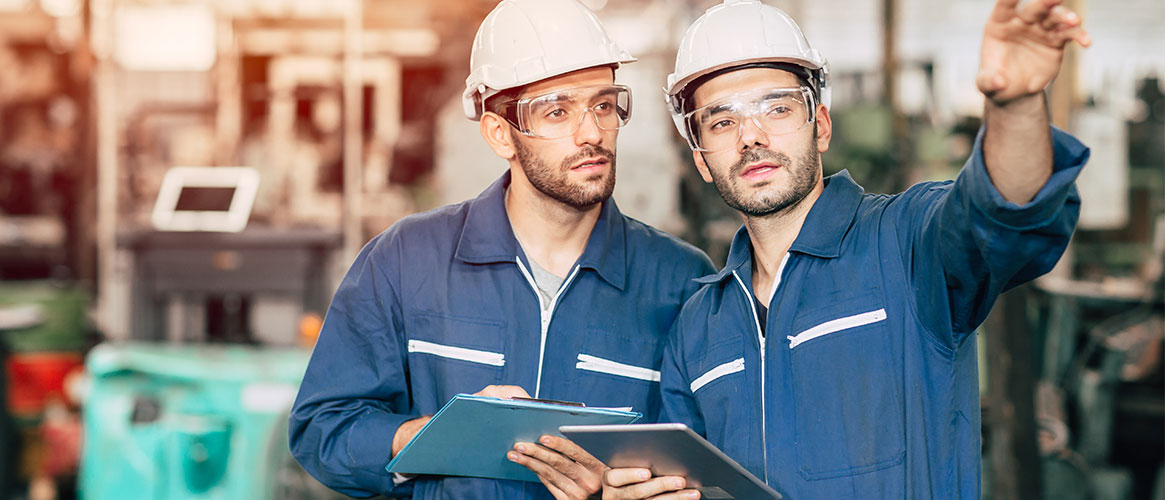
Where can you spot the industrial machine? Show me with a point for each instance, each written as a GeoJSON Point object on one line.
{"type": "Point", "coordinates": [166, 422]}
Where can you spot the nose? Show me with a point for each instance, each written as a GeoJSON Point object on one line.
{"type": "Point", "coordinates": [588, 130]}
{"type": "Point", "coordinates": [751, 134]}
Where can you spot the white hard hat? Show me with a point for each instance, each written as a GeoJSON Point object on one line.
{"type": "Point", "coordinates": [524, 41]}
{"type": "Point", "coordinates": [738, 33]}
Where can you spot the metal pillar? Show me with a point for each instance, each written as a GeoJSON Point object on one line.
{"type": "Point", "coordinates": [110, 302]}
{"type": "Point", "coordinates": [1015, 459]}
{"type": "Point", "coordinates": [900, 127]}
{"type": "Point", "coordinates": [353, 129]}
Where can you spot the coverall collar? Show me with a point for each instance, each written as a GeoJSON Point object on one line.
{"type": "Point", "coordinates": [488, 238]}
{"type": "Point", "coordinates": [820, 236]}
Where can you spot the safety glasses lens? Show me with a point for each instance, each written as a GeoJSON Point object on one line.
{"type": "Point", "coordinates": [561, 113]}
{"type": "Point", "coordinates": [776, 111]}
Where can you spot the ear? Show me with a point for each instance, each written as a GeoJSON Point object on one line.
{"type": "Point", "coordinates": [496, 132]}
{"type": "Point", "coordinates": [701, 166]}
{"type": "Point", "coordinates": [824, 128]}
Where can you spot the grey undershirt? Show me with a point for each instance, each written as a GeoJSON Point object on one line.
{"type": "Point", "coordinates": [545, 281]}
{"type": "Point", "coordinates": [548, 283]}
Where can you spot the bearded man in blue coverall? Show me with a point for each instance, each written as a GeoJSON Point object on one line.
{"type": "Point", "coordinates": [538, 287]}
{"type": "Point", "coordinates": [834, 355]}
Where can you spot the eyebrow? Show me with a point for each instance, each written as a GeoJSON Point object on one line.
{"type": "Point", "coordinates": [606, 92]}
{"type": "Point", "coordinates": [781, 93]}
{"type": "Point", "coordinates": [718, 109]}
{"type": "Point", "coordinates": [568, 96]}
{"type": "Point", "coordinates": [552, 99]}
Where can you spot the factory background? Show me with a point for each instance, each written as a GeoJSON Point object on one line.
{"type": "Point", "coordinates": [142, 361]}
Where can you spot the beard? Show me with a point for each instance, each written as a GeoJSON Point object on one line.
{"type": "Point", "coordinates": [803, 176]}
{"type": "Point", "coordinates": [555, 181]}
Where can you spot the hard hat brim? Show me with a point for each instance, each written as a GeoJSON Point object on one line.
{"type": "Point", "coordinates": [679, 86]}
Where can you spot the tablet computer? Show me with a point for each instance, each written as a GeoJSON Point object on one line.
{"type": "Point", "coordinates": [671, 450]}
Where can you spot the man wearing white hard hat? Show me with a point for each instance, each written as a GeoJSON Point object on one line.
{"type": "Point", "coordinates": [834, 355]}
{"type": "Point", "coordinates": [539, 287]}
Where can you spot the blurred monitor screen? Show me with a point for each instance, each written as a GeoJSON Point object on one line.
{"type": "Point", "coordinates": [205, 199]}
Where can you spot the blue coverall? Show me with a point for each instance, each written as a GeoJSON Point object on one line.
{"type": "Point", "coordinates": [443, 303]}
{"type": "Point", "coordinates": [865, 382]}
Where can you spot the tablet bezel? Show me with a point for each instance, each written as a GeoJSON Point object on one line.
{"type": "Point", "coordinates": [608, 444]}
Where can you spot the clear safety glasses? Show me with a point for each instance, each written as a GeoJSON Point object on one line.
{"type": "Point", "coordinates": [776, 111]}
{"type": "Point", "coordinates": [561, 113]}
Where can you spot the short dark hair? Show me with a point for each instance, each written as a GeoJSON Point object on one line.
{"type": "Point", "coordinates": [497, 102]}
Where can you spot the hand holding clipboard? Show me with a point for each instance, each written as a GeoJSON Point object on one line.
{"type": "Point", "coordinates": [470, 435]}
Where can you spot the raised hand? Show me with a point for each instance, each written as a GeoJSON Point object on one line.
{"type": "Point", "coordinates": [1023, 47]}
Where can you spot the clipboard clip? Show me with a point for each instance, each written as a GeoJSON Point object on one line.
{"type": "Point", "coordinates": [550, 402]}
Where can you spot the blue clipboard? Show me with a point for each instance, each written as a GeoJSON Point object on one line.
{"type": "Point", "coordinates": [470, 435]}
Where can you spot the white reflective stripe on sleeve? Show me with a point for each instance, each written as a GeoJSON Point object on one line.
{"type": "Point", "coordinates": [837, 325]}
{"type": "Point", "coordinates": [591, 363]}
{"type": "Point", "coordinates": [461, 353]}
{"type": "Point", "coordinates": [725, 369]}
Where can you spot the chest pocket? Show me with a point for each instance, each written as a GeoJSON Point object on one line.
{"type": "Point", "coordinates": [848, 389]}
{"type": "Point", "coordinates": [449, 355]}
{"type": "Point", "coordinates": [726, 387]}
{"type": "Point", "coordinates": [718, 374]}
{"type": "Point", "coordinates": [618, 371]}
